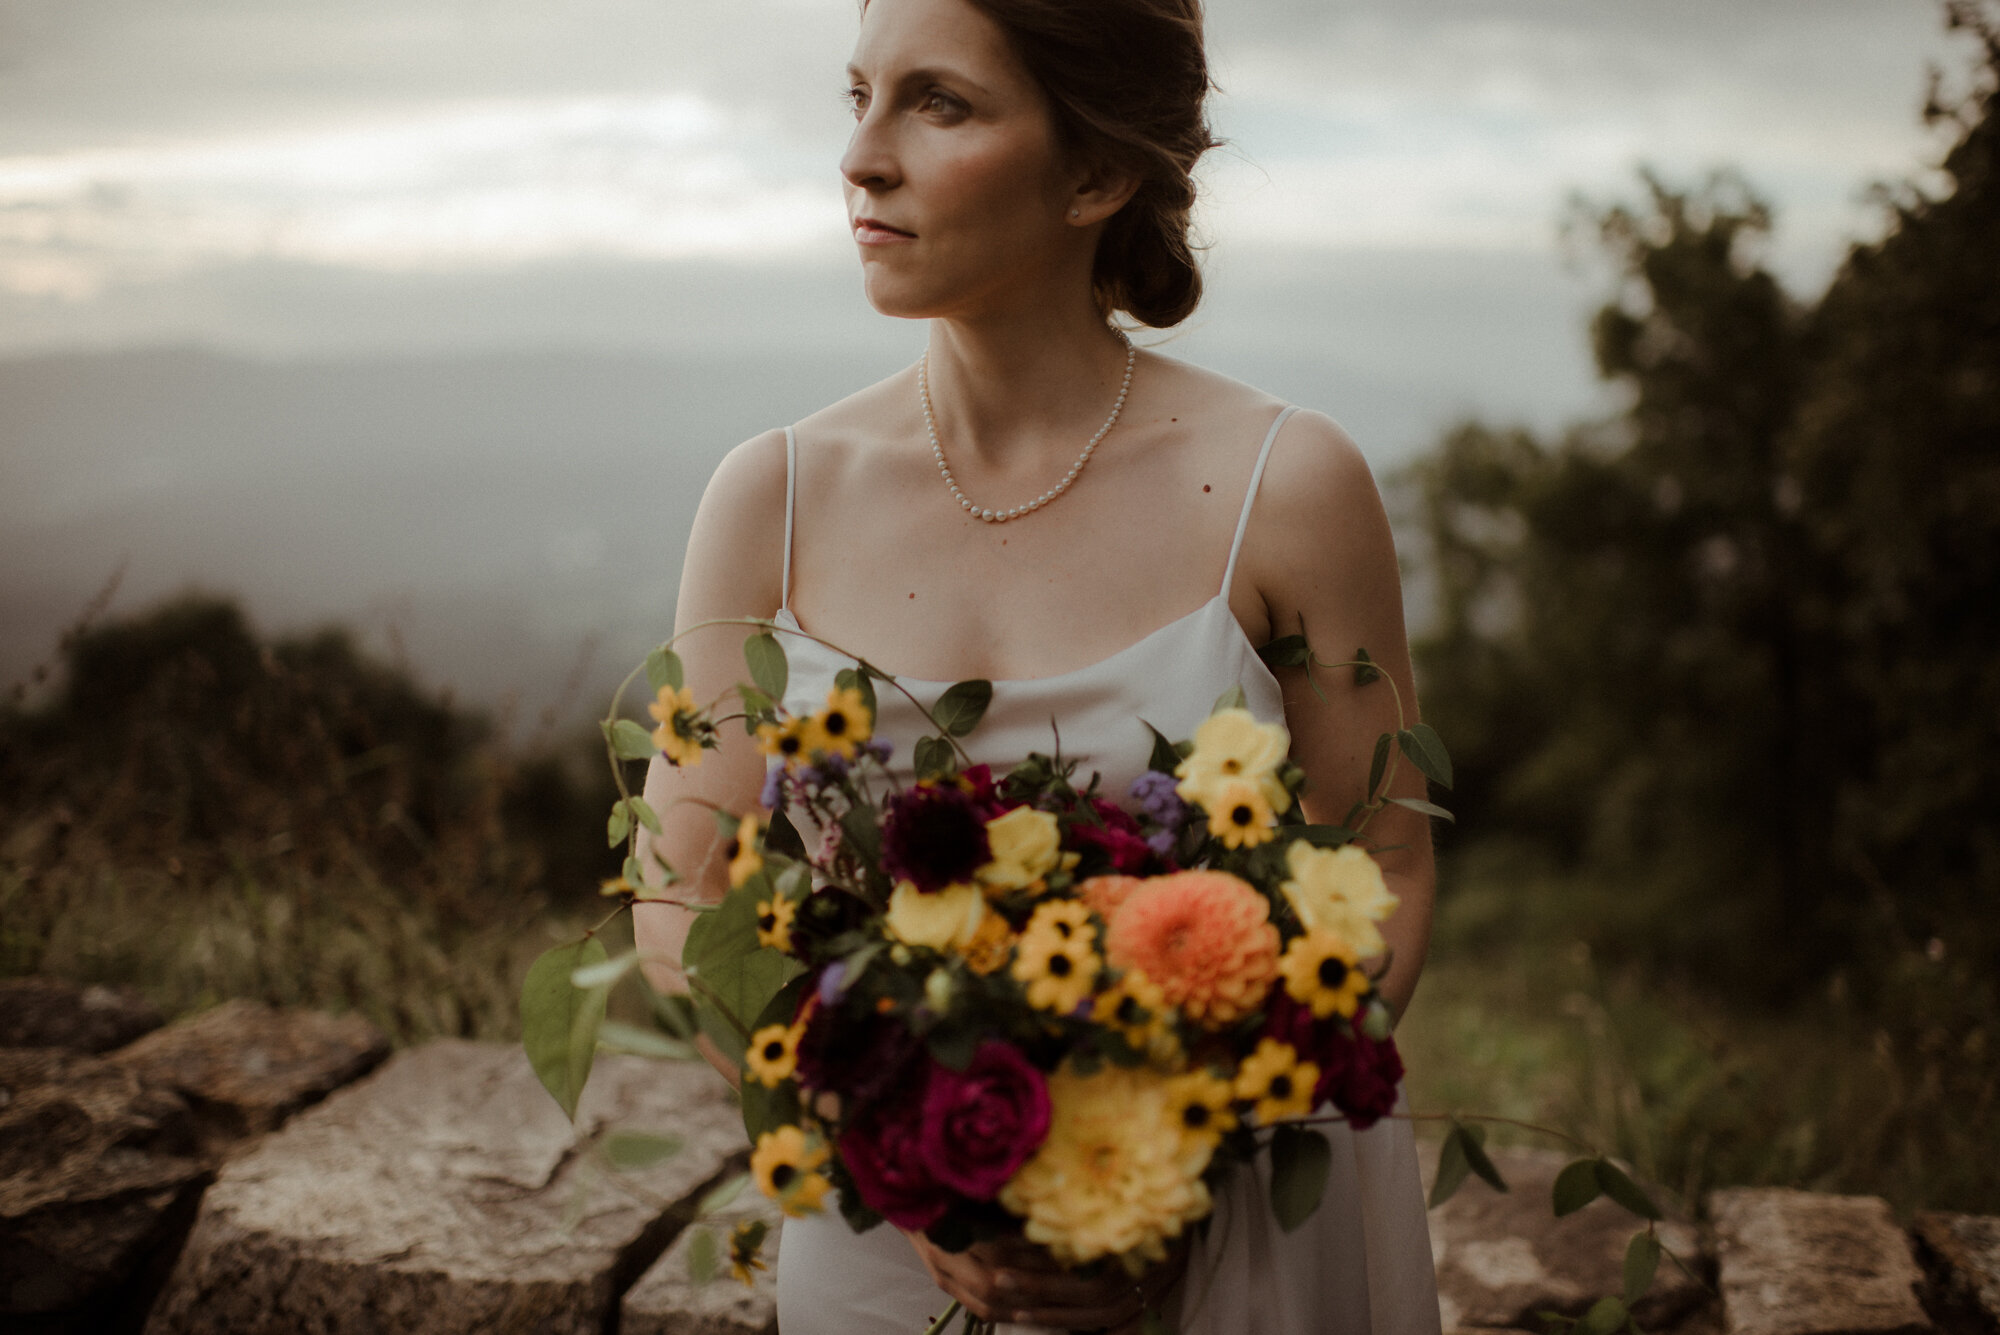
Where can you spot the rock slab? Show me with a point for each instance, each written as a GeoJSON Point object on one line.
{"type": "Point", "coordinates": [446, 1193]}
{"type": "Point", "coordinates": [99, 1175]}
{"type": "Point", "coordinates": [1503, 1257]}
{"type": "Point", "coordinates": [667, 1300]}
{"type": "Point", "coordinates": [1802, 1263]}
{"type": "Point", "coordinates": [244, 1067]}
{"type": "Point", "coordinates": [1967, 1250]}
{"type": "Point", "coordinates": [55, 1013]}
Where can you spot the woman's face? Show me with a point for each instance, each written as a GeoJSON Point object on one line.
{"type": "Point", "coordinates": [957, 189]}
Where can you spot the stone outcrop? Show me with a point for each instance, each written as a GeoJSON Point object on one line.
{"type": "Point", "coordinates": [55, 1013]}
{"type": "Point", "coordinates": [1503, 1257]}
{"type": "Point", "coordinates": [668, 1301]}
{"type": "Point", "coordinates": [243, 1068]}
{"type": "Point", "coordinates": [1805, 1263]}
{"type": "Point", "coordinates": [1965, 1251]}
{"type": "Point", "coordinates": [446, 1194]}
{"type": "Point", "coordinates": [99, 1175]}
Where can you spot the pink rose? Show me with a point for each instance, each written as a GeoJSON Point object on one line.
{"type": "Point", "coordinates": [885, 1157]}
{"type": "Point", "coordinates": [982, 1123]}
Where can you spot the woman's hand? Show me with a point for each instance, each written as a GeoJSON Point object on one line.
{"type": "Point", "coordinates": [1014, 1280]}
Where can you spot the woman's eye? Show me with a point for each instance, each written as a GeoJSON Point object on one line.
{"type": "Point", "coordinates": [942, 103]}
{"type": "Point", "coordinates": [855, 98]}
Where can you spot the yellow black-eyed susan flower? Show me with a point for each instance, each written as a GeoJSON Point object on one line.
{"type": "Point", "coordinates": [1065, 919]}
{"type": "Point", "coordinates": [1275, 1082]}
{"type": "Point", "coordinates": [842, 726]}
{"type": "Point", "coordinates": [682, 730]}
{"type": "Point", "coordinates": [745, 856]}
{"type": "Point", "coordinates": [785, 1166]}
{"type": "Point", "coordinates": [746, 1243]}
{"type": "Point", "coordinates": [1324, 972]}
{"type": "Point", "coordinates": [1136, 1010]}
{"type": "Point", "coordinates": [773, 1053]}
{"type": "Point", "coordinates": [1200, 1105]}
{"type": "Point", "coordinates": [1239, 812]}
{"type": "Point", "coordinates": [785, 740]}
{"type": "Point", "coordinates": [774, 922]}
{"type": "Point", "coordinates": [1058, 972]}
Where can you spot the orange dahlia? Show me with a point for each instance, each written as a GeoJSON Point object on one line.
{"type": "Point", "coordinates": [1204, 938]}
{"type": "Point", "coordinates": [1105, 894]}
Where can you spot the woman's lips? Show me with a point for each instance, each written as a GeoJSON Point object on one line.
{"type": "Point", "coordinates": [872, 232]}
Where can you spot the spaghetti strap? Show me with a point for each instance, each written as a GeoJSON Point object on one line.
{"type": "Point", "coordinates": [1249, 500]}
{"type": "Point", "coordinates": [791, 487]}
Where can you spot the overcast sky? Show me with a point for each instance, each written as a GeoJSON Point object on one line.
{"type": "Point", "coordinates": [571, 252]}
{"type": "Point", "coordinates": [304, 175]}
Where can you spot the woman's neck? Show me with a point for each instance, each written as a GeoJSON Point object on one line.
{"type": "Point", "coordinates": [1025, 392]}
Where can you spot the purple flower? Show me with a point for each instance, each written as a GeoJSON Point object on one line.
{"type": "Point", "coordinates": [1157, 796]}
{"type": "Point", "coordinates": [830, 980]}
{"type": "Point", "coordinates": [774, 787]}
{"type": "Point", "coordinates": [1162, 843]}
{"type": "Point", "coordinates": [880, 749]}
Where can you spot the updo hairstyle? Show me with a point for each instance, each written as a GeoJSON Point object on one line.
{"type": "Point", "coordinates": [1127, 80]}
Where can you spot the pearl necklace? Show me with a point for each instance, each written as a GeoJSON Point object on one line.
{"type": "Point", "coordinates": [1002, 516]}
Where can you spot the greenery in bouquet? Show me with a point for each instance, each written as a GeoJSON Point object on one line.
{"type": "Point", "coordinates": [978, 1004]}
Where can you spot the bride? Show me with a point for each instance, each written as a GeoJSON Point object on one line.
{"type": "Point", "coordinates": [1102, 531]}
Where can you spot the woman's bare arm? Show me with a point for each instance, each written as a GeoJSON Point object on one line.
{"type": "Point", "coordinates": [733, 569]}
{"type": "Point", "coordinates": [1320, 554]}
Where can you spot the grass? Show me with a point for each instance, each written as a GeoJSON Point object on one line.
{"type": "Point", "coordinates": [1894, 1097]}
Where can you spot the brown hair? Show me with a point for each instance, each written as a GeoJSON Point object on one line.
{"type": "Point", "coordinates": [1127, 80]}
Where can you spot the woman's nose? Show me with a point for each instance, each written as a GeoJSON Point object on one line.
{"type": "Point", "coordinates": [869, 162]}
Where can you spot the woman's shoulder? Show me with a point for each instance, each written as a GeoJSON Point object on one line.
{"type": "Point", "coordinates": [1311, 454]}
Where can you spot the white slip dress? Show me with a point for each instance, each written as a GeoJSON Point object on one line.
{"type": "Point", "coordinates": [1361, 1265]}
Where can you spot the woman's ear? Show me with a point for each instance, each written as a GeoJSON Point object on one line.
{"type": "Point", "coordinates": [1100, 194]}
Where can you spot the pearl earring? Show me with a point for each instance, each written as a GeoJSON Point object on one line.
{"type": "Point", "coordinates": [1076, 213]}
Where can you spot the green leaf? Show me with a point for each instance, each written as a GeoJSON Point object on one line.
{"type": "Point", "coordinates": [701, 1255]}
{"type": "Point", "coordinates": [723, 1195]}
{"type": "Point", "coordinates": [663, 669]}
{"type": "Point", "coordinates": [559, 1020]}
{"type": "Point", "coordinates": [1576, 1186]}
{"type": "Point", "coordinates": [604, 974]}
{"type": "Point", "coordinates": [768, 668]}
{"type": "Point", "coordinates": [767, 1109]}
{"type": "Point", "coordinates": [634, 874]}
{"type": "Point", "coordinates": [1321, 836]}
{"type": "Point", "coordinates": [617, 1036]}
{"type": "Point", "coordinates": [1233, 698]}
{"type": "Point", "coordinates": [1429, 809]}
{"type": "Point", "coordinates": [1605, 1316]}
{"type": "Point", "coordinates": [1166, 757]}
{"type": "Point", "coordinates": [629, 1151]}
{"type": "Point", "coordinates": [960, 708]}
{"type": "Point", "coordinates": [738, 976]}
{"type": "Point", "coordinates": [1642, 1260]}
{"type": "Point", "coordinates": [932, 757]}
{"type": "Point", "coordinates": [674, 1012]}
{"type": "Point", "coordinates": [1300, 1160]}
{"type": "Point", "coordinates": [1380, 763]}
{"type": "Point", "coordinates": [1452, 1167]}
{"type": "Point", "coordinates": [1286, 651]}
{"type": "Point", "coordinates": [644, 811]}
{"type": "Point", "coordinates": [1625, 1191]}
{"type": "Point", "coordinates": [1477, 1160]}
{"type": "Point", "coordinates": [1426, 751]}
{"type": "Point", "coordinates": [858, 824]}
{"type": "Point", "coordinates": [857, 679]}
{"type": "Point", "coordinates": [619, 826]}
{"type": "Point", "coordinates": [630, 741]}
{"type": "Point", "coordinates": [782, 837]}
{"type": "Point", "coordinates": [1365, 672]}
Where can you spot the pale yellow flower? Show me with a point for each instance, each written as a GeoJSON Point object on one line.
{"type": "Point", "coordinates": [1115, 1176]}
{"type": "Point", "coordinates": [1232, 744]}
{"type": "Point", "coordinates": [946, 919]}
{"type": "Point", "coordinates": [1339, 890]}
{"type": "Point", "coordinates": [1026, 845]}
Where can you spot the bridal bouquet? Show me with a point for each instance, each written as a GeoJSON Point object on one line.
{"type": "Point", "coordinates": [979, 1004]}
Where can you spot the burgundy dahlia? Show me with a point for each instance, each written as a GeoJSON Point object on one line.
{"type": "Point", "coordinates": [884, 1154]}
{"type": "Point", "coordinates": [934, 835]}
{"type": "Point", "coordinates": [982, 1123]}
